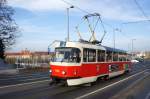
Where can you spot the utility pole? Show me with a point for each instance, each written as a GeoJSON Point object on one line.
{"type": "Point", "coordinates": [132, 41]}
{"type": "Point", "coordinates": [68, 36]}
{"type": "Point", "coordinates": [114, 41]}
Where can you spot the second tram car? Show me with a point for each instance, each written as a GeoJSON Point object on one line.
{"type": "Point", "coordinates": [78, 63]}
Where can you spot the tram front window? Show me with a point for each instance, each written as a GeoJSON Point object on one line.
{"type": "Point", "coordinates": [70, 55]}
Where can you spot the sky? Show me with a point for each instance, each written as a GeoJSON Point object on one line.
{"type": "Point", "coordinates": [43, 21]}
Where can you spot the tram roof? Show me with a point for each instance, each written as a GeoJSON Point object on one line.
{"type": "Point", "coordinates": [84, 45]}
{"type": "Point", "coordinates": [90, 45]}
{"type": "Point", "coordinates": [114, 50]}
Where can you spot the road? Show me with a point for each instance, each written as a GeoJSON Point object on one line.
{"type": "Point", "coordinates": [23, 78]}
{"type": "Point", "coordinates": [134, 85]}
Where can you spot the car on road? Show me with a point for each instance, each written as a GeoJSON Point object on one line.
{"type": "Point", "coordinates": [134, 61]}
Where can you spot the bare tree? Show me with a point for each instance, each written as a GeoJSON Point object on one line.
{"type": "Point", "coordinates": [8, 27]}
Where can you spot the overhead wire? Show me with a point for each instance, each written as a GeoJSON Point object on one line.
{"type": "Point", "coordinates": [133, 22]}
{"type": "Point", "coordinates": [139, 21]}
{"type": "Point", "coordinates": [142, 11]}
{"type": "Point", "coordinates": [75, 6]}
{"type": "Point", "coordinates": [102, 23]}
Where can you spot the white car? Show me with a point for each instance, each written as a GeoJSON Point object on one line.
{"type": "Point", "coordinates": [134, 61]}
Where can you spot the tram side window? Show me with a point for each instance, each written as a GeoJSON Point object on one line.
{"type": "Point", "coordinates": [85, 54]}
{"type": "Point", "coordinates": [128, 57]}
{"type": "Point", "coordinates": [109, 56]}
{"type": "Point", "coordinates": [125, 57]}
{"type": "Point", "coordinates": [122, 57]}
{"type": "Point", "coordinates": [91, 55]}
{"type": "Point", "coordinates": [115, 56]}
{"type": "Point", "coordinates": [101, 56]}
{"type": "Point", "coordinates": [76, 57]}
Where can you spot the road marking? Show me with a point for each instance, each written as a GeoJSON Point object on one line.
{"type": "Point", "coordinates": [85, 95]}
{"type": "Point", "coordinates": [24, 84]}
{"type": "Point", "coordinates": [132, 85]}
{"type": "Point", "coordinates": [146, 73]}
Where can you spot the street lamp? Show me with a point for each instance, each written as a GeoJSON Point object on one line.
{"type": "Point", "coordinates": [132, 40]}
{"type": "Point", "coordinates": [114, 40]}
{"type": "Point", "coordinates": [68, 38]}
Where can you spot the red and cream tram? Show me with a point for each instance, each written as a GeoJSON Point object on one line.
{"type": "Point", "coordinates": [78, 63]}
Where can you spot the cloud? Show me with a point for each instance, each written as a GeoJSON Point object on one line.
{"type": "Point", "coordinates": [35, 32]}
{"type": "Point", "coordinates": [35, 29]}
{"type": "Point", "coordinates": [38, 5]}
{"type": "Point", "coordinates": [116, 9]}
{"type": "Point", "coordinates": [30, 28]}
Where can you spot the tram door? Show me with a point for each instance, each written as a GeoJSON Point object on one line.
{"type": "Point", "coordinates": [89, 61]}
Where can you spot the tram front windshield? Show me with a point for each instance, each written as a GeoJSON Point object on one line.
{"type": "Point", "coordinates": [69, 55]}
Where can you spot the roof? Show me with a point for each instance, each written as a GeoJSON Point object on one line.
{"type": "Point", "coordinates": [86, 44]}
{"type": "Point", "coordinates": [31, 53]}
{"type": "Point", "coordinates": [40, 53]}
{"type": "Point", "coordinates": [12, 53]}
{"type": "Point", "coordinates": [114, 50]}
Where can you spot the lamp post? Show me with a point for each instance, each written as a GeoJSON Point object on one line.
{"type": "Point", "coordinates": [68, 36]}
{"type": "Point", "coordinates": [132, 41]}
{"type": "Point", "coordinates": [114, 40]}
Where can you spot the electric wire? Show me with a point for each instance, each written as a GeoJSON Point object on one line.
{"type": "Point", "coordinates": [134, 22]}
{"type": "Point", "coordinates": [102, 23]}
{"type": "Point", "coordinates": [76, 7]}
{"type": "Point", "coordinates": [140, 8]}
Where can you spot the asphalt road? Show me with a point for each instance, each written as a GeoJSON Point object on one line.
{"type": "Point", "coordinates": [134, 85]}
{"type": "Point", "coordinates": [23, 78]}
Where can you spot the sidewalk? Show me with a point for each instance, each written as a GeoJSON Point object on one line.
{"type": "Point", "coordinates": [6, 68]}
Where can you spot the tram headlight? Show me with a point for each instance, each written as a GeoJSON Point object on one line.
{"type": "Point", "coordinates": [63, 72]}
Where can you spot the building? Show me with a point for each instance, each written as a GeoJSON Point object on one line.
{"type": "Point", "coordinates": [147, 55]}
{"type": "Point", "coordinates": [140, 54]}
{"type": "Point", "coordinates": [27, 57]}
